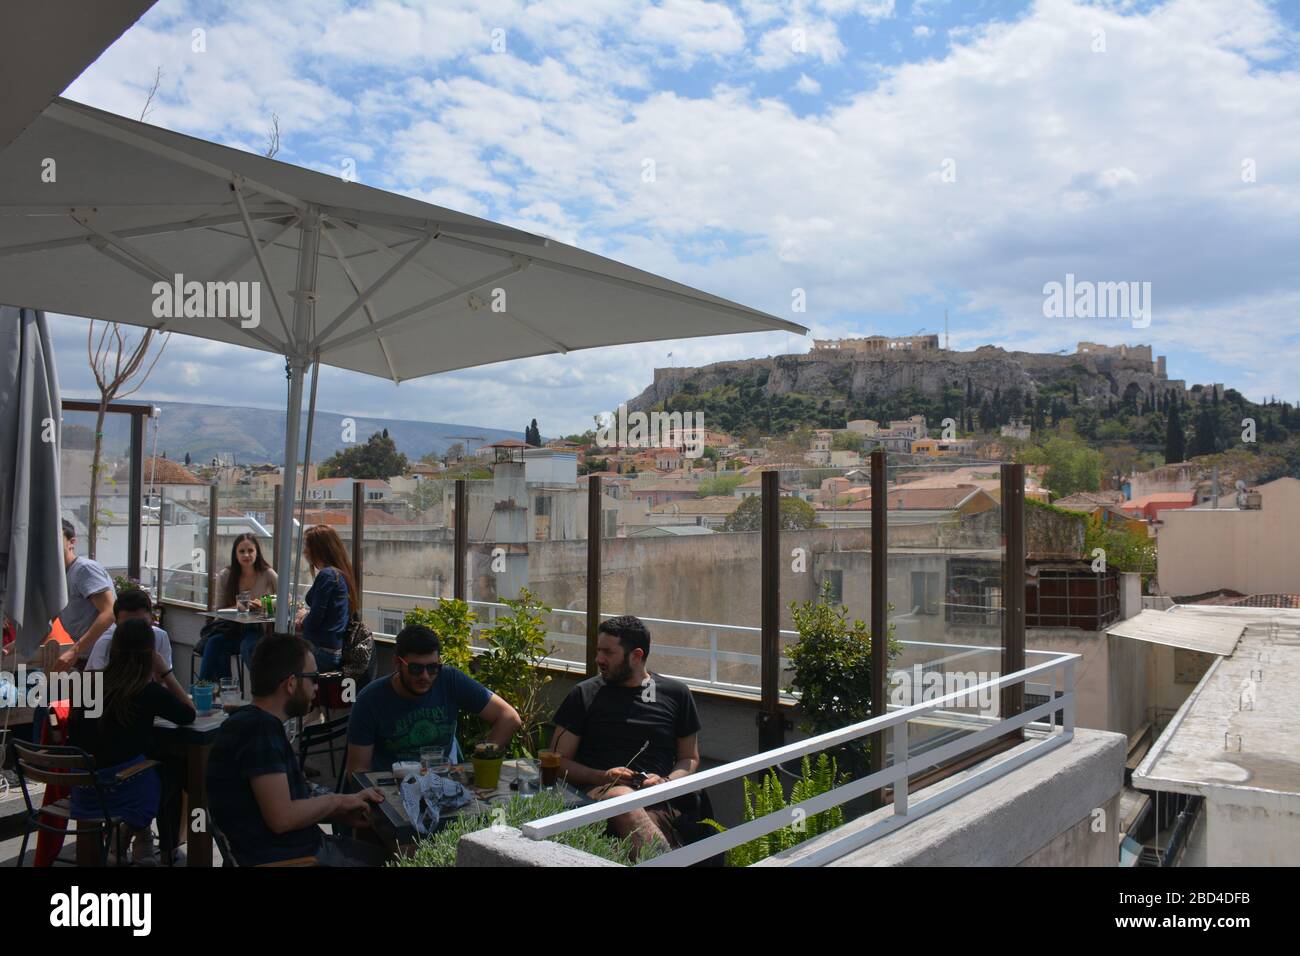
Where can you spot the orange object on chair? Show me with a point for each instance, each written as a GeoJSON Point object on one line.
{"type": "Point", "coordinates": [48, 845]}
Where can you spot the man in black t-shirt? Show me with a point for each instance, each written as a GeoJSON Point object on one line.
{"type": "Point", "coordinates": [258, 793]}
{"type": "Point", "coordinates": [629, 729]}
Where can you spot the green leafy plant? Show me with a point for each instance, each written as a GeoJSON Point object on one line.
{"type": "Point", "coordinates": [832, 673]}
{"type": "Point", "coordinates": [453, 622]}
{"type": "Point", "coordinates": [768, 796]}
{"type": "Point", "coordinates": [488, 751]}
{"type": "Point", "coordinates": [509, 667]}
{"type": "Point", "coordinates": [440, 848]}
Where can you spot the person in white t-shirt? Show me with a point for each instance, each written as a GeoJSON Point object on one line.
{"type": "Point", "coordinates": [131, 604]}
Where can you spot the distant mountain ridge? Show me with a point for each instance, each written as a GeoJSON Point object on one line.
{"type": "Point", "coordinates": [256, 435]}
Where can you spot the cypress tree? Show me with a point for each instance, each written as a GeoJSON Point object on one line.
{"type": "Point", "coordinates": [1175, 440]}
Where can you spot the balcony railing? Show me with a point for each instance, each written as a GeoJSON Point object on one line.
{"type": "Point", "coordinates": [896, 775]}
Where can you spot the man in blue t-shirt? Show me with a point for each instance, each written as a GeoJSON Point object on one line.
{"type": "Point", "coordinates": [418, 706]}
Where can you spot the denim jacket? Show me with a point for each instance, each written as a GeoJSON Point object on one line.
{"type": "Point", "coordinates": [329, 612]}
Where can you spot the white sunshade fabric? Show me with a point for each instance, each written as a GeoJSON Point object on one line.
{"type": "Point", "coordinates": [1187, 631]}
{"type": "Point", "coordinates": [403, 288]}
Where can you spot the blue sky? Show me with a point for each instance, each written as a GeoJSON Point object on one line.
{"type": "Point", "coordinates": [891, 159]}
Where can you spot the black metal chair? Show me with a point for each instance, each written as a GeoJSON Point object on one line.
{"type": "Point", "coordinates": [317, 737]}
{"type": "Point", "coordinates": [63, 766]}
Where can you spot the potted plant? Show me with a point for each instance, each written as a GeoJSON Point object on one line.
{"type": "Point", "coordinates": [832, 674]}
{"type": "Point", "coordinates": [204, 693]}
{"type": "Point", "coordinates": [487, 765]}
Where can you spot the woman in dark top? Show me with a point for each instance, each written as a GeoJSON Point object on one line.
{"type": "Point", "coordinates": [331, 602]}
{"type": "Point", "coordinates": [138, 686]}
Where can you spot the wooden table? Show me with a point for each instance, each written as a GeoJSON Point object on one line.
{"type": "Point", "coordinates": [194, 742]}
{"type": "Point", "coordinates": [392, 824]}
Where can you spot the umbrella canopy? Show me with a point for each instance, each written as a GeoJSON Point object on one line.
{"type": "Point", "coordinates": [46, 44]}
{"type": "Point", "coordinates": [31, 559]}
{"type": "Point", "coordinates": [114, 219]}
{"type": "Point", "coordinates": [401, 288]}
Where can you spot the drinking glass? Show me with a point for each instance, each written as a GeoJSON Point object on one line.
{"type": "Point", "coordinates": [229, 691]}
{"type": "Point", "coordinates": [242, 600]}
{"type": "Point", "coordinates": [433, 759]}
{"type": "Point", "coordinates": [528, 775]}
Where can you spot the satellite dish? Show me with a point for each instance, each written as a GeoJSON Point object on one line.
{"type": "Point", "coordinates": [1241, 485]}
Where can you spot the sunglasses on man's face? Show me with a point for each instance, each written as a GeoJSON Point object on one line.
{"type": "Point", "coordinates": [417, 669]}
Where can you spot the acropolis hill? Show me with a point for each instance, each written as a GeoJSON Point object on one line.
{"type": "Point", "coordinates": [854, 368]}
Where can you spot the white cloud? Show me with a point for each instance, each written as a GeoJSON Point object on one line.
{"type": "Point", "coordinates": [799, 42]}
{"type": "Point", "coordinates": [922, 31]}
{"type": "Point", "coordinates": [1117, 166]}
{"type": "Point", "coordinates": [807, 85]}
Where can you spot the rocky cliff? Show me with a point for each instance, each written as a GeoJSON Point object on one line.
{"type": "Point", "coordinates": [844, 375]}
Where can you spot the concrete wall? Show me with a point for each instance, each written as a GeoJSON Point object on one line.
{"type": "Point", "coordinates": [1040, 814]}
{"type": "Point", "coordinates": [1254, 552]}
{"type": "Point", "coordinates": [1044, 813]}
{"type": "Point", "coordinates": [1266, 833]}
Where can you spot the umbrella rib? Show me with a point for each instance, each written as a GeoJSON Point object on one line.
{"type": "Point", "coordinates": [137, 232]}
{"type": "Point", "coordinates": [159, 270]}
{"type": "Point", "coordinates": [112, 253]}
{"type": "Point", "coordinates": [261, 262]}
{"type": "Point", "coordinates": [364, 297]}
{"type": "Point", "coordinates": [422, 226]}
{"type": "Point", "coordinates": [64, 112]}
{"type": "Point", "coordinates": [757, 318]}
{"type": "Point", "coordinates": [243, 258]}
{"type": "Point", "coordinates": [437, 300]}
{"type": "Point", "coordinates": [555, 343]}
{"type": "Point", "coordinates": [369, 309]}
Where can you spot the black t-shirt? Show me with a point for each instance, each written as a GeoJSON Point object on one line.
{"type": "Point", "coordinates": [111, 742]}
{"type": "Point", "coordinates": [252, 743]}
{"type": "Point", "coordinates": [614, 722]}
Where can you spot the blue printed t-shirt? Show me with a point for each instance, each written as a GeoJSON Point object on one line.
{"type": "Point", "coordinates": [397, 728]}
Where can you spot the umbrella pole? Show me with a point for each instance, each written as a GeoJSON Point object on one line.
{"type": "Point", "coordinates": [284, 555]}
{"type": "Point", "coordinates": [304, 296]}
{"type": "Point", "coordinates": [306, 471]}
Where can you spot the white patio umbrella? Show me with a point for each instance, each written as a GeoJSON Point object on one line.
{"type": "Point", "coordinates": [33, 581]}
{"type": "Point", "coordinates": [347, 275]}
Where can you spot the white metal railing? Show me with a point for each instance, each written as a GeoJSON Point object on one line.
{"type": "Point", "coordinates": [711, 652]}
{"type": "Point", "coordinates": [896, 775]}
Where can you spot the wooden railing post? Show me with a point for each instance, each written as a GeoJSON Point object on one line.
{"type": "Point", "coordinates": [771, 723]}
{"type": "Point", "coordinates": [879, 608]}
{"type": "Point", "coordinates": [594, 541]}
{"type": "Point", "coordinates": [1013, 588]}
{"type": "Point", "coordinates": [212, 548]}
{"type": "Point", "coordinates": [358, 532]}
{"type": "Point", "coordinates": [460, 540]}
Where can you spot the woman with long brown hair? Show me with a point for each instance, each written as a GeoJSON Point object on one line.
{"type": "Point", "coordinates": [332, 599]}
{"type": "Point", "coordinates": [138, 686]}
{"type": "Point", "coordinates": [248, 571]}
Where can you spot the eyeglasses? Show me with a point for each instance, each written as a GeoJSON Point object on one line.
{"type": "Point", "coordinates": [313, 676]}
{"type": "Point", "coordinates": [418, 669]}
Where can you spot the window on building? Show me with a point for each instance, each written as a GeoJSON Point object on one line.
{"type": "Point", "coordinates": [925, 592]}
{"type": "Point", "coordinates": [543, 506]}
{"type": "Point", "coordinates": [390, 621]}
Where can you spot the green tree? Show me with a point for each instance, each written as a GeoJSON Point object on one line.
{"type": "Point", "coordinates": [377, 457]}
{"type": "Point", "coordinates": [848, 441]}
{"type": "Point", "coordinates": [1175, 440]}
{"type": "Point", "coordinates": [1071, 465]}
{"type": "Point", "coordinates": [796, 515]}
{"type": "Point", "coordinates": [427, 495]}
